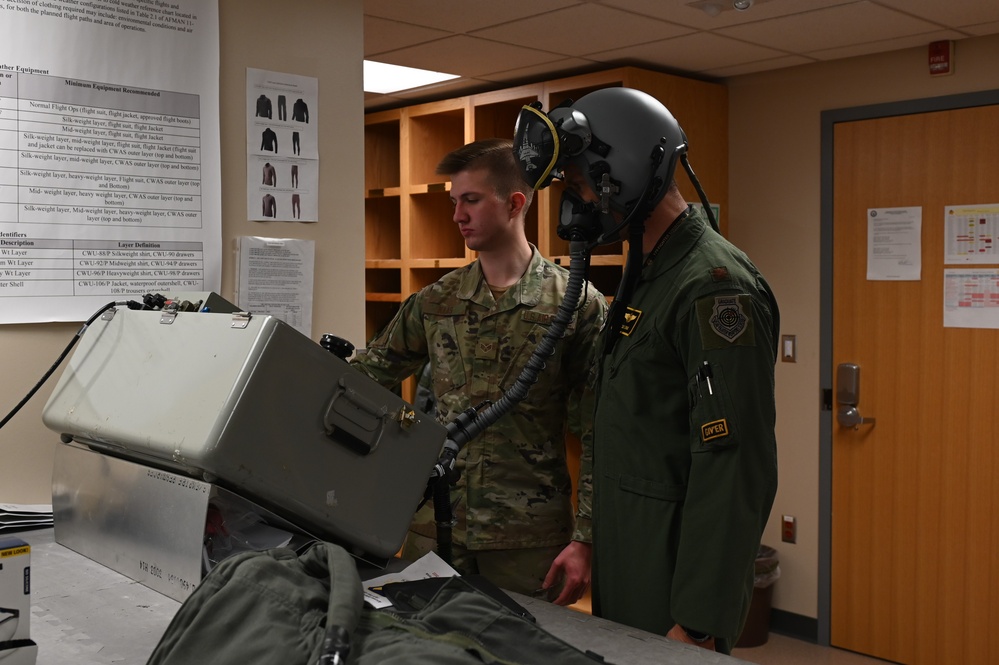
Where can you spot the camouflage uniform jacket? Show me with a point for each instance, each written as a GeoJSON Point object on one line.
{"type": "Point", "coordinates": [515, 490]}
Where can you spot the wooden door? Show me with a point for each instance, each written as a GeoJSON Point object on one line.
{"type": "Point", "coordinates": [915, 505]}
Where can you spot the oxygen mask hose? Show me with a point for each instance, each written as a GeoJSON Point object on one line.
{"type": "Point", "coordinates": [470, 424]}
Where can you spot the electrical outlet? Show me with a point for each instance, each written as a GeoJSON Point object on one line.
{"type": "Point", "coordinates": [788, 529]}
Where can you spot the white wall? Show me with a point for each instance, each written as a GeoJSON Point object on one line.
{"type": "Point", "coordinates": [314, 38]}
{"type": "Point", "coordinates": [774, 202]}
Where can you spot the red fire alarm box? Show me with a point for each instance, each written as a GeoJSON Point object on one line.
{"type": "Point", "coordinates": [941, 58]}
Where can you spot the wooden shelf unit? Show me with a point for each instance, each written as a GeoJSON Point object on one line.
{"type": "Point", "coordinates": [409, 234]}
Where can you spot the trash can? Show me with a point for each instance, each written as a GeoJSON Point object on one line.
{"type": "Point", "coordinates": [757, 628]}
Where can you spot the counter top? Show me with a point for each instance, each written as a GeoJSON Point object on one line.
{"type": "Point", "coordinates": [83, 612]}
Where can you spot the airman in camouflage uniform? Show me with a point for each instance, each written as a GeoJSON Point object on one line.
{"type": "Point", "coordinates": [514, 492]}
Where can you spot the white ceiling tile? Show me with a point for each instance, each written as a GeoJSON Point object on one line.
{"type": "Point", "coordinates": [982, 29]}
{"type": "Point", "coordinates": [689, 12]}
{"type": "Point", "coordinates": [692, 53]}
{"type": "Point", "coordinates": [460, 16]}
{"type": "Point", "coordinates": [758, 66]}
{"type": "Point", "coordinates": [457, 87]}
{"type": "Point", "coordinates": [467, 56]}
{"type": "Point", "coordinates": [833, 27]}
{"type": "Point", "coordinates": [581, 29]}
{"type": "Point", "coordinates": [949, 13]}
{"type": "Point", "coordinates": [382, 35]}
{"type": "Point", "coordinates": [897, 44]}
{"type": "Point", "coordinates": [568, 67]}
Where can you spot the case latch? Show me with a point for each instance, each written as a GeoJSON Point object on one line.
{"type": "Point", "coordinates": [241, 319]}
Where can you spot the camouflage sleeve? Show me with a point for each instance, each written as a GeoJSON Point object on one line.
{"type": "Point", "coordinates": [399, 350]}
{"type": "Point", "coordinates": [582, 370]}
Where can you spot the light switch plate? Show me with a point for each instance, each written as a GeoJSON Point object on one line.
{"type": "Point", "coordinates": [788, 348]}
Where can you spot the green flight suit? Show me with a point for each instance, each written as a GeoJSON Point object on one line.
{"type": "Point", "coordinates": [514, 490]}
{"type": "Point", "coordinates": [685, 457]}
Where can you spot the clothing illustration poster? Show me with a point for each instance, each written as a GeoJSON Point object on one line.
{"type": "Point", "coordinates": [282, 150]}
{"type": "Point", "coordinates": [110, 177]}
{"type": "Point", "coordinates": [276, 277]}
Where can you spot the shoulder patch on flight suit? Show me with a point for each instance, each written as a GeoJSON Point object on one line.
{"type": "Point", "coordinates": [725, 321]}
{"type": "Point", "coordinates": [630, 322]}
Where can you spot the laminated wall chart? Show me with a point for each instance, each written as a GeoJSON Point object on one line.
{"type": "Point", "coordinates": [109, 154]}
{"type": "Point", "coordinates": [971, 295]}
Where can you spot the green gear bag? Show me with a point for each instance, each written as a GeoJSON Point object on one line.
{"type": "Point", "coordinates": [278, 607]}
{"type": "Point", "coordinates": [267, 607]}
{"type": "Point", "coordinates": [459, 626]}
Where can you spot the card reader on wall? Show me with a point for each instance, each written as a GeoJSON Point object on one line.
{"type": "Point", "coordinates": [252, 405]}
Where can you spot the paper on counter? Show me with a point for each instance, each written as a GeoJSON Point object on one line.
{"type": "Point", "coordinates": [427, 566]}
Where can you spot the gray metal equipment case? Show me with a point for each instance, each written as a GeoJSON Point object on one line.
{"type": "Point", "coordinates": [250, 404]}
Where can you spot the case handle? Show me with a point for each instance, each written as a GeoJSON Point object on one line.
{"type": "Point", "coordinates": [353, 420]}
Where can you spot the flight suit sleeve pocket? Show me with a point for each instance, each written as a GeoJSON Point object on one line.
{"type": "Point", "coordinates": [713, 424]}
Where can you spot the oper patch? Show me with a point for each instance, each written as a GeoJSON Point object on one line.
{"type": "Point", "coordinates": [725, 321]}
{"type": "Point", "coordinates": [630, 322]}
{"type": "Point", "coordinates": [716, 429]}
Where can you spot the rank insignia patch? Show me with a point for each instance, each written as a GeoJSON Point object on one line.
{"type": "Point", "coordinates": [631, 317]}
{"type": "Point", "coordinates": [486, 348]}
{"type": "Point", "coordinates": [728, 319]}
{"type": "Point", "coordinates": [714, 430]}
{"type": "Point", "coordinates": [720, 274]}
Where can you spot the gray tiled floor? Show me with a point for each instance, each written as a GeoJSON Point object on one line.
{"type": "Point", "coordinates": [781, 650]}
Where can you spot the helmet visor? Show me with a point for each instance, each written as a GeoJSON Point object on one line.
{"type": "Point", "coordinates": [536, 146]}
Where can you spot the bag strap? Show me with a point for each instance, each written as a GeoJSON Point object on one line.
{"type": "Point", "coordinates": [346, 598]}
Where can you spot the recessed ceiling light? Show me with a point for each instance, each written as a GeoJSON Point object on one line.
{"type": "Point", "coordinates": [742, 5]}
{"type": "Point", "coordinates": [712, 8]}
{"type": "Point", "coordinates": [383, 78]}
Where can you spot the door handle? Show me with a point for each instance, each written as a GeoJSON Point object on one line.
{"type": "Point", "coordinates": [848, 396]}
{"type": "Point", "coordinates": [849, 416]}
